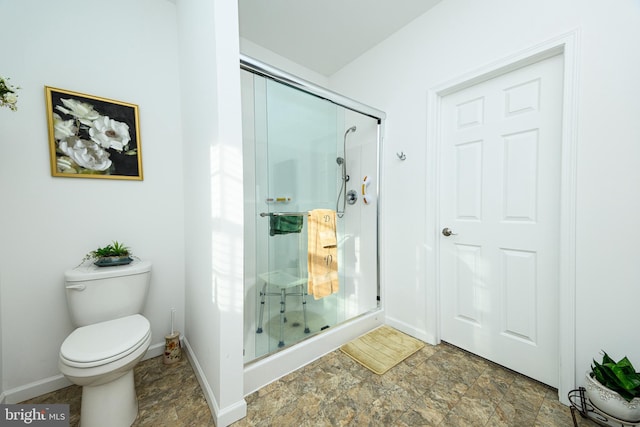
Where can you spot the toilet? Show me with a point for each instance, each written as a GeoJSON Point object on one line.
{"type": "Point", "coordinates": [110, 338]}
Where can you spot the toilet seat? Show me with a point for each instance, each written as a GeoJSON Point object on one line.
{"type": "Point", "coordinates": [104, 342]}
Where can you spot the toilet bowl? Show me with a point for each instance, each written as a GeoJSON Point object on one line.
{"type": "Point", "coordinates": [110, 339]}
{"type": "Point", "coordinates": [100, 358]}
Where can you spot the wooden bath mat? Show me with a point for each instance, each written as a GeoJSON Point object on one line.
{"type": "Point", "coordinates": [381, 349]}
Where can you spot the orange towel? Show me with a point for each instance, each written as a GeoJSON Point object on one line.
{"type": "Point", "coordinates": [322, 253]}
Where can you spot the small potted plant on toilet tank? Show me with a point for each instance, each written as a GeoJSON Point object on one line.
{"type": "Point", "coordinates": [115, 253]}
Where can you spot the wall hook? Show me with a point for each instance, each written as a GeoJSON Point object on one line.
{"type": "Point", "coordinates": [401, 155]}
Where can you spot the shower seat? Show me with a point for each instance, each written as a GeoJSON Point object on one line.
{"type": "Point", "coordinates": [289, 283]}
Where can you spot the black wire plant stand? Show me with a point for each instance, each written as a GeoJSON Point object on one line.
{"type": "Point", "coordinates": [581, 404]}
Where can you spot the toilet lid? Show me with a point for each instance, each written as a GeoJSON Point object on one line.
{"type": "Point", "coordinates": [112, 339]}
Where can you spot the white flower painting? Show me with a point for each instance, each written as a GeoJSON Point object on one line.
{"type": "Point", "coordinates": [8, 94]}
{"type": "Point", "coordinates": [92, 137]}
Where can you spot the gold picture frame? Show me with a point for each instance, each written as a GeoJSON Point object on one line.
{"type": "Point", "coordinates": [92, 137]}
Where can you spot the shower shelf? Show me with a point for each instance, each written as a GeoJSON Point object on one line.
{"type": "Point", "coordinates": [278, 200]}
{"type": "Point", "coordinates": [581, 404]}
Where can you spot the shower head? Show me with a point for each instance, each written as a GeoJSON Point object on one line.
{"type": "Point", "coordinates": [340, 160]}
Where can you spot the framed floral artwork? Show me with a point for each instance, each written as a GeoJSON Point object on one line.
{"type": "Point", "coordinates": [92, 137]}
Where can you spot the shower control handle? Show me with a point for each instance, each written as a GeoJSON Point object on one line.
{"type": "Point", "coordinates": [352, 197]}
{"type": "Point", "coordinates": [447, 232]}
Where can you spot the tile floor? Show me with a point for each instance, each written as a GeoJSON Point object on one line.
{"type": "Point", "coordinates": [437, 386]}
{"type": "Point", "coordinates": [168, 395]}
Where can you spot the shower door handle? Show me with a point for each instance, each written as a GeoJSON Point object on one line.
{"type": "Point", "coordinates": [447, 232]}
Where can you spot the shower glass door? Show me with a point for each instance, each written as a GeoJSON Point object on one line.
{"type": "Point", "coordinates": [294, 147]}
{"type": "Point", "coordinates": [296, 171]}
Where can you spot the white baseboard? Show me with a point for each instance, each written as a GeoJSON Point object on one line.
{"type": "Point", "coordinates": [154, 350]}
{"type": "Point", "coordinates": [410, 330]}
{"type": "Point", "coordinates": [222, 417]}
{"type": "Point", "coordinates": [35, 389]}
{"type": "Point", "coordinates": [56, 382]}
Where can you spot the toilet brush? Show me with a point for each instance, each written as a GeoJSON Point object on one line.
{"type": "Point", "coordinates": [172, 348]}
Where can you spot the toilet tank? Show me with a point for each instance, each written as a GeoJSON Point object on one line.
{"type": "Point", "coordinates": [96, 294]}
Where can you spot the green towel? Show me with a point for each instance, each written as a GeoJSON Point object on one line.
{"type": "Point", "coordinates": [285, 224]}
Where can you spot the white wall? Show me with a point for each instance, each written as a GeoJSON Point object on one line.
{"type": "Point", "coordinates": [129, 52]}
{"type": "Point", "coordinates": [47, 224]}
{"type": "Point", "coordinates": [121, 50]}
{"type": "Point", "coordinates": [212, 132]}
{"type": "Point", "coordinates": [271, 58]}
{"type": "Point", "coordinates": [2, 397]}
{"type": "Point", "coordinates": [459, 36]}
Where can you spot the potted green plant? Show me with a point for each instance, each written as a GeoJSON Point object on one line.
{"type": "Point", "coordinates": [614, 388]}
{"type": "Point", "coordinates": [114, 253]}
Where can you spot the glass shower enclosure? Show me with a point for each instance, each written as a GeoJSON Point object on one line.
{"type": "Point", "coordinates": [311, 181]}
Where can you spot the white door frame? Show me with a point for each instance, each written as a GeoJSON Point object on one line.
{"type": "Point", "coordinates": [566, 45]}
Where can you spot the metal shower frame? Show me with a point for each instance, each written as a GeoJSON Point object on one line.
{"type": "Point", "coordinates": [257, 67]}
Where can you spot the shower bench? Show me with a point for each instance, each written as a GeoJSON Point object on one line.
{"type": "Point", "coordinates": [288, 284]}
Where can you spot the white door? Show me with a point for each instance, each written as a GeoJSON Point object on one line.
{"type": "Point", "coordinates": [499, 198]}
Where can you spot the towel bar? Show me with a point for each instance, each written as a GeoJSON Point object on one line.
{"type": "Point", "coordinates": [263, 214]}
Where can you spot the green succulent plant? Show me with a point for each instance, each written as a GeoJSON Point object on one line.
{"type": "Point", "coordinates": [620, 377]}
{"type": "Point", "coordinates": [113, 249]}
